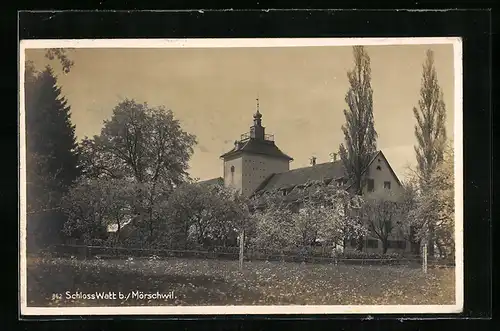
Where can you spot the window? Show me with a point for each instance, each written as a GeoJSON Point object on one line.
{"type": "Point", "coordinates": [232, 168]}
{"type": "Point", "coordinates": [371, 184]}
{"type": "Point", "coordinates": [379, 168]}
{"type": "Point", "coordinates": [372, 243]}
{"type": "Point", "coordinates": [387, 185]}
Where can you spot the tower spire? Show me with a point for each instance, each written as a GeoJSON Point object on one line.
{"type": "Point", "coordinates": [257, 116]}
{"type": "Point", "coordinates": [257, 130]}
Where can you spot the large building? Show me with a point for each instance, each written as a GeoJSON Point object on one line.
{"type": "Point", "coordinates": [256, 165]}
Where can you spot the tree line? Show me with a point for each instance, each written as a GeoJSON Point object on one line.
{"type": "Point", "coordinates": [133, 176]}
{"type": "Point", "coordinates": [430, 191]}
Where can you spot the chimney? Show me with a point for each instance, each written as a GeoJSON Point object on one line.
{"type": "Point", "coordinates": [236, 145]}
{"type": "Point", "coordinates": [333, 157]}
{"type": "Point", "coordinates": [313, 161]}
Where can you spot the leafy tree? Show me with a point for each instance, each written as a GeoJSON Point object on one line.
{"type": "Point", "coordinates": [182, 206]}
{"type": "Point", "coordinates": [445, 224]}
{"type": "Point", "coordinates": [316, 213]}
{"type": "Point", "coordinates": [359, 130]}
{"type": "Point", "coordinates": [408, 225]}
{"type": "Point", "coordinates": [145, 145]}
{"type": "Point", "coordinates": [86, 208]}
{"type": "Point", "coordinates": [324, 212]}
{"type": "Point", "coordinates": [204, 215]}
{"type": "Point", "coordinates": [274, 226]}
{"type": "Point", "coordinates": [438, 204]}
{"type": "Point", "coordinates": [430, 132]}
{"type": "Point", "coordinates": [61, 55]}
{"type": "Point", "coordinates": [93, 204]}
{"type": "Point", "coordinates": [51, 156]}
{"type": "Point", "coordinates": [140, 142]}
{"type": "Point", "coordinates": [338, 217]}
{"type": "Point", "coordinates": [231, 216]}
{"type": "Point", "coordinates": [382, 215]}
{"type": "Point", "coordinates": [344, 220]}
{"type": "Point", "coordinates": [307, 224]}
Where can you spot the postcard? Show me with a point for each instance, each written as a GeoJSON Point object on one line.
{"type": "Point", "coordinates": [241, 176]}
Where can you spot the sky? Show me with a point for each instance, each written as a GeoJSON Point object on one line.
{"type": "Point", "coordinates": [213, 92]}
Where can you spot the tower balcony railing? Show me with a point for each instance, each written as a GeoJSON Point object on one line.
{"type": "Point", "coordinates": [246, 136]}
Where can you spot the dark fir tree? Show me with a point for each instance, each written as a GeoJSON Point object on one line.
{"type": "Point", "coordinates": [360, 137]}
{"type": "Point", "coordinates": [50, 155]}
{"type": "Point", "coordinates": [430, 132]}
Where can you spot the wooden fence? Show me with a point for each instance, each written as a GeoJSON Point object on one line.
{"type": "Point", "coordinates": [232, 253]}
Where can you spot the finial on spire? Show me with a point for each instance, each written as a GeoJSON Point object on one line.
{"type": "Point", "coordinates": [257, 115]}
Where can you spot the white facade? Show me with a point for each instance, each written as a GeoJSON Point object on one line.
{"type": "Point", "coordinates": [385, 181]}
{"type": "Point", "coordinates": [245, 172]}
{"type": "Point", "coordinates": [233, 172]}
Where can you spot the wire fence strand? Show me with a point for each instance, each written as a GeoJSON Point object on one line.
{"type": "Point", "coordinates": [232, 253]}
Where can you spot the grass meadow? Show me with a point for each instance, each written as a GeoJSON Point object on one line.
{"type": "Point", "coordinates": [216, 282]}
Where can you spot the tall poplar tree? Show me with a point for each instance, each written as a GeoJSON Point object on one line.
{"type": "Point", "coordinates": [360, 136]}
{"type": "Point", "coordinates": [430, 132]}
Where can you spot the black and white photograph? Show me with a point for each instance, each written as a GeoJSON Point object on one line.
{"type": "Point", "coordinates": [241, 176]}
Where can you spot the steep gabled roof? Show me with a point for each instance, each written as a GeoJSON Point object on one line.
{"type": "Point", "coordinates": [390, 168]}
{"type": "Point", "coordinates": [322, 171]}
{"type": "Point", "coordinates": [380, 154]}
{"type": "Point", "coordinates": [255, 146]}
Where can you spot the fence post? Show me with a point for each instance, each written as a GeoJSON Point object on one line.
{"type": "Point", "coordinates": [242, 245]}
{"type": "Point", "coordinates": [424, 260]}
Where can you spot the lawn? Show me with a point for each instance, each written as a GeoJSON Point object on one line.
{"type": "Point", "coordinates": [213, 282]}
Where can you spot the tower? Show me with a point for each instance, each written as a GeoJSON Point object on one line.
{"type": "Point", "coordinates": [253, 159]}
